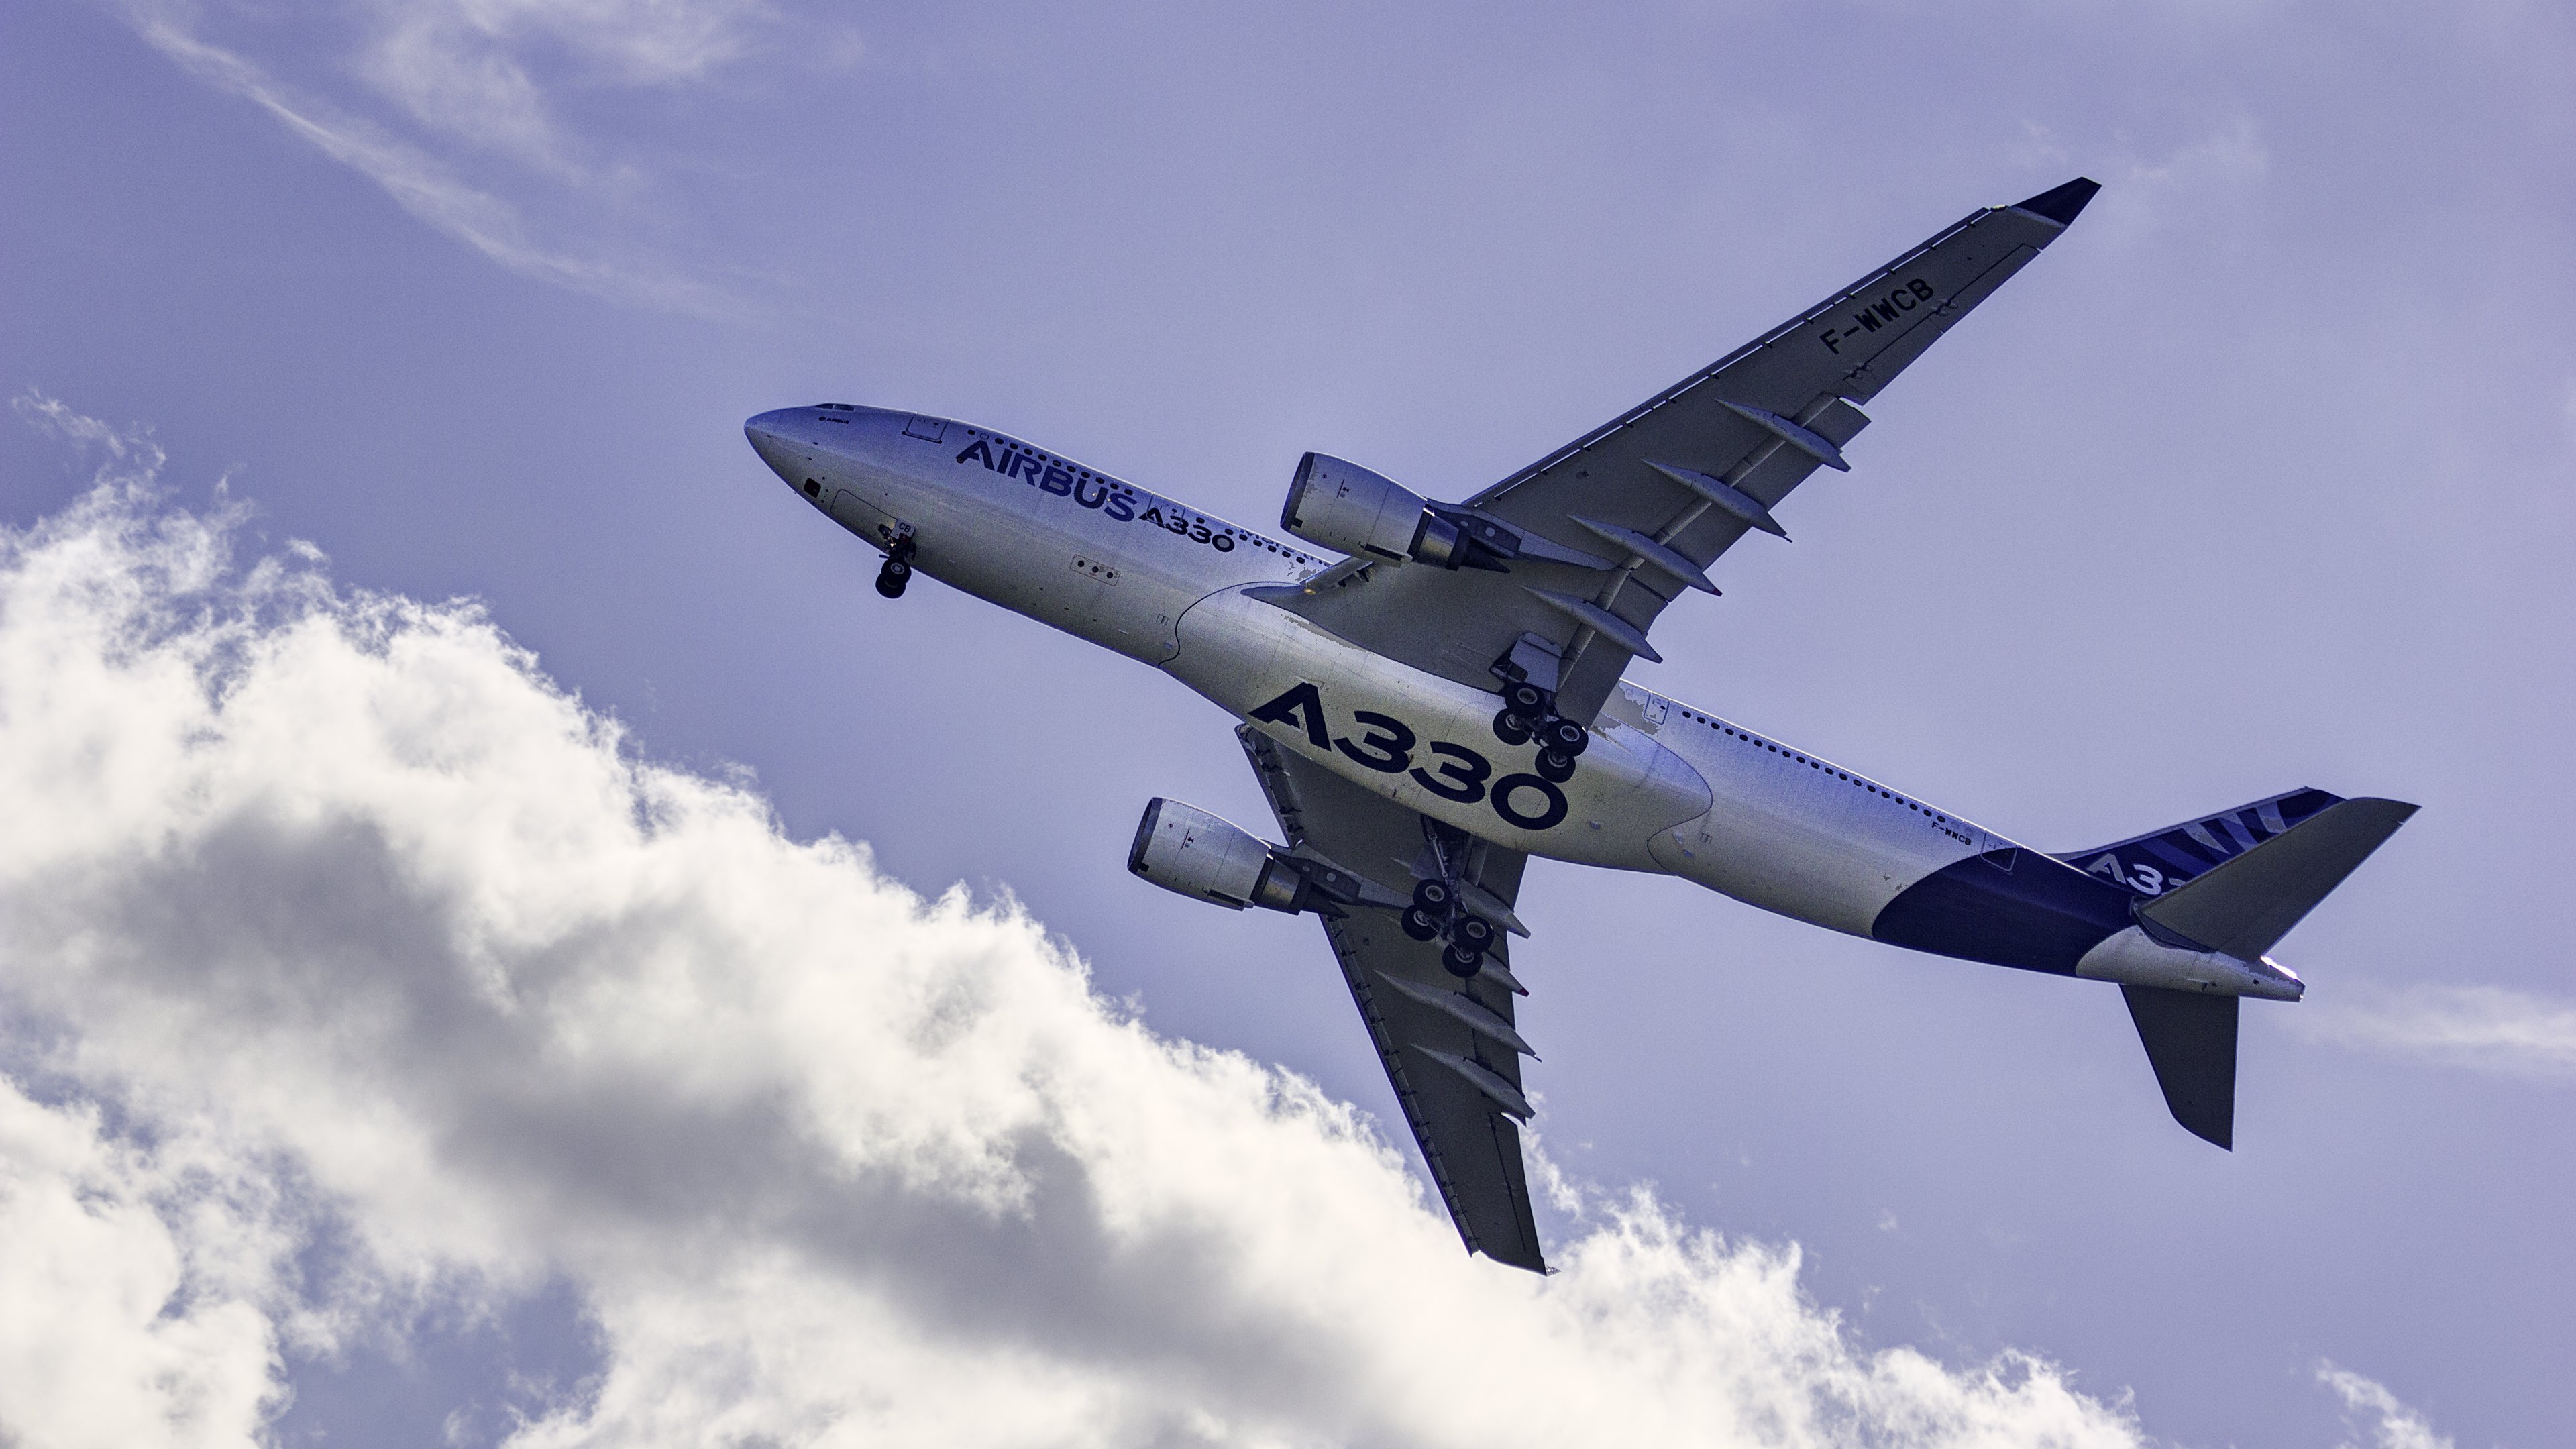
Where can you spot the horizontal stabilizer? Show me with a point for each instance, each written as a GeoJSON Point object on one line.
{"type": "Point", "coordinates": [2191, 1042]}
{"type": "Point", "coordinates": [2246, 904]}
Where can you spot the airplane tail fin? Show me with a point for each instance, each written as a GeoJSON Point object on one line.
{"type": "Point", "coordinates": [2191, 1042]}
{"type": "Point", "coordinates": [2252, 874]}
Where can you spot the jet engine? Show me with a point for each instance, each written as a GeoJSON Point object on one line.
{"type": "Point", "coordinates": [1189, 851]}
{"type": "Point", "coordinates": [1349, 509]}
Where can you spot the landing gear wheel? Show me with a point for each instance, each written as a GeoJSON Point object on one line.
{"type": "Point", "coordinates": [1555, 766]}
{"type": "Point", "coordinates": [1475, 934]}
{"type": "Point", "coordinates": [1420, 924]}
{"type": "Point", "coordinates": [1434, 896]}
{"type": "Point", "coordinates": [1566, 737]}
{"type": "Point", "coordinates": [1526, 700]}
{"type": "Point", "coordinates": [891, 579]}
{"type": "Point", "coordinates": [1460, 962]}
{"type": "Point", "coordinates": [1511, 729]}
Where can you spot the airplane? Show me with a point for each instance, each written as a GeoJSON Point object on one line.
{"type": "Point", "coordinates": [1431, 693]}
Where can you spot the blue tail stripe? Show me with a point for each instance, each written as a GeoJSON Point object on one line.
{"type": "Point", "coordinates": [2147, 866]}
{"type": "Point", "coordinates": [2006, 908]}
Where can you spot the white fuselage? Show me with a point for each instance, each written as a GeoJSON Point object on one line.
{"type": "Point", "coordinates": [1664, 787]}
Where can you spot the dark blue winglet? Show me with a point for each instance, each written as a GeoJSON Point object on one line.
{"type": "Point", "coordinates": [2061, 204]}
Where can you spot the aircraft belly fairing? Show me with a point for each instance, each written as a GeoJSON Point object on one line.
{"type": "Point", "coordinates": [1427, 743]}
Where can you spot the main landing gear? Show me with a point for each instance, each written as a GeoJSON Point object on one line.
{"type": "Point", "coordinates": [898, 568]}
{"type": "Point", "coordinates": [1529, 713]}
{"type": "Point", "coordinates": [1438, 913]}
{"type": "Point", "coordinates": [1435, 914]}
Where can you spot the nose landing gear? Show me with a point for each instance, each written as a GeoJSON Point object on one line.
{"type": "Point", "coordinates": [898, 568]}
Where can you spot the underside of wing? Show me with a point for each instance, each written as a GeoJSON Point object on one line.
{"type": "Point", "coordinates": [1450, 1047]}
{"type": "Point", "coordinates": [1658, 493]}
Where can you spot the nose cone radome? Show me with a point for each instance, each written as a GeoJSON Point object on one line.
{"type": "Point", "coordinates": [771, 433]}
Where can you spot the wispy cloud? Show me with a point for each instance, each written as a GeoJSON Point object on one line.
{"type": "Point", "coordinates": [456, 72]}
{"type": "Point", "coordinates": [2484, 1028]}
{"type": "Point", "coordinates": [2391, 1424]}
{"type": "Point", "coordinates": [462, 67]}
{"type": "Point", "coordinates": [126, 453]}
{"type": "Point", "coordinates": [341, 921]}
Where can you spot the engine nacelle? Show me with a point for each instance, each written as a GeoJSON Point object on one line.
{"type": "Point", "coordinates": [1185, 849]}
{"type": "Point", "coordinates": [1349, 509]}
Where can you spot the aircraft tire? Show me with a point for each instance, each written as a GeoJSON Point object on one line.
{"type": "Point", "coordinates": [1510, 728]}
{"type": "Point", "coordinates": [1555, 766]}
{"type": "Point", "coordinates": [1434, 896]}
{"type": "Point", "coordinates": [1476, 934]}
{"type": "Point", "coordinates": [1421, 925]}
{"type": "Point", "coordinates": [1460, 962]}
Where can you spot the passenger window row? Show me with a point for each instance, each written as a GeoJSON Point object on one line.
{"type": "Point", "coordinates": [1888, 795]}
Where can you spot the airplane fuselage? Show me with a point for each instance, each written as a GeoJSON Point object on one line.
{"type": "Point", "coordinates": [1663, 787]}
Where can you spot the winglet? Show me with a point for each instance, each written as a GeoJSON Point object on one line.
{"type": "Point", "coordinates": [2061, 204]}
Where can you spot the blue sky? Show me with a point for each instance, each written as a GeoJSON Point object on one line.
{"type": "Point", "coordinates": [2256, 480]}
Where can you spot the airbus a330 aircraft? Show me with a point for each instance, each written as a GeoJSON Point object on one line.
{"type": "Point", "coordinates": [1437, 696]}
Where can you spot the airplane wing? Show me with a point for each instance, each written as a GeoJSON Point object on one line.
{"type": "Point", "coordinates": [1450, 1049]}
{"type": "Point", "coordinates": [1656, 494]}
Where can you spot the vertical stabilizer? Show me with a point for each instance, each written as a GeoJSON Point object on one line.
{"type": "Point", "coordinates": [2191, 1042]}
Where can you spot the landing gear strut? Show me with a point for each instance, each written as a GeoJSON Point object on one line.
{"type": "Point", "coordinates": [1529, 713]}
{"type": "Point", "coordinates": [1438, 913]}
{"type": "Point", "coordinates": [898, 568]}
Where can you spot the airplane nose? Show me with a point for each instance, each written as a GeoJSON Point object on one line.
{"type": "Point", "coordinates": [771, 434]}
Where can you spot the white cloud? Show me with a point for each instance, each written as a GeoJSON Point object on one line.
{"type": "Point", "coordinates": [2394, 1426]}
{"type": "Point", "coordinates": [334, 897]}
{"type": "Point", "coordinates": [123, 1320]}
{"type": "Point", "coordinates": [2486, 1028]}
{"type": "Point", "coordinates": [2150, 198]}
{"type": "Point", "coordinates": [638, 42]}
{"type": "Point", "coordinates": [463, 66]}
